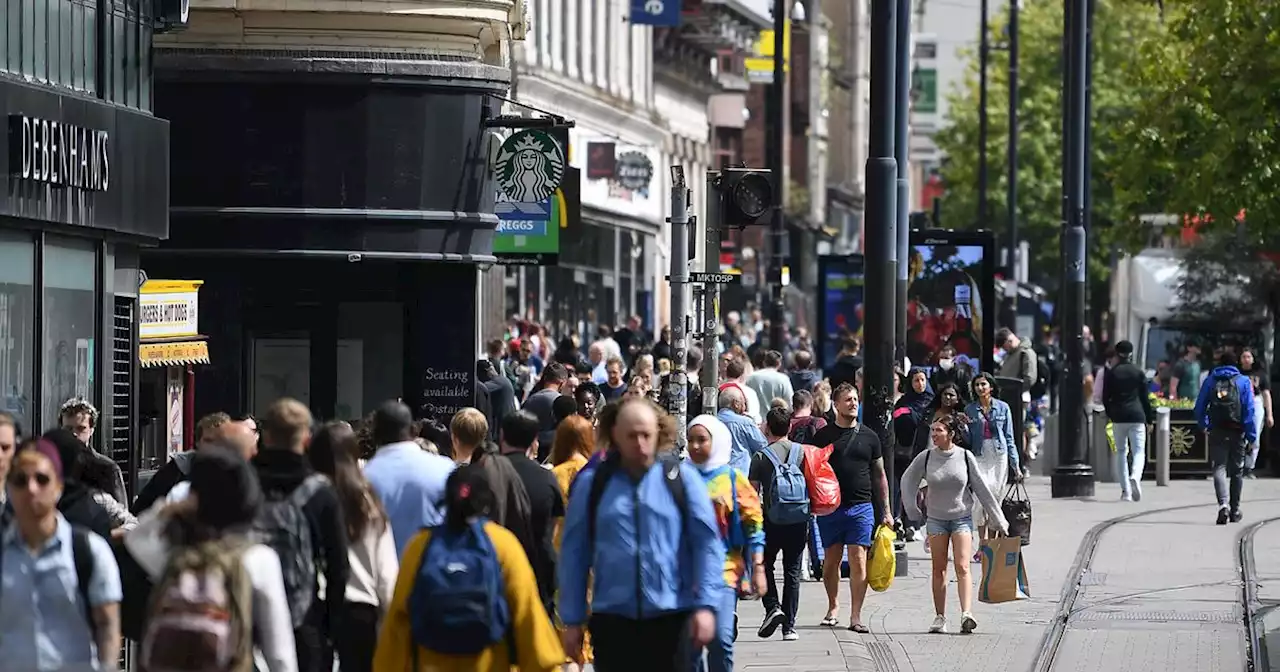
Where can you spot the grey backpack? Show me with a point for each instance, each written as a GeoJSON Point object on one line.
{"type": "Point", "coordinates": [283, 526]}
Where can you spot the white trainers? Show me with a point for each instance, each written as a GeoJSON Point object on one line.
{"type": "Point", "coordinates": [939, 624]}
{"type": "Point", "coordinates": [790, 636]}
{"type": "Point", "coordinates": [967, 624]}
{"type": "Point", "coordinates": [1135, 486]}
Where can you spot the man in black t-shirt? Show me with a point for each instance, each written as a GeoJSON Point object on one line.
{"type": "Point", "coordinates": [546, 504]}
{"type": "Point", "coordinates": [858, 465]}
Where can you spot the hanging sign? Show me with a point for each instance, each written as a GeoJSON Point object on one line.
{"type": "Point", "coordinates": [655, 13]}
{"type": "Point", "coordinates": [530, 166]}
{"type": "Point", "coordinates": [633, 171]}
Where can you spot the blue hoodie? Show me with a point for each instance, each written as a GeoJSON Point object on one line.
{"type": "Point", "coordinates": [643, 569]}
{"type": "Point", "coordinates": [1246, 400]}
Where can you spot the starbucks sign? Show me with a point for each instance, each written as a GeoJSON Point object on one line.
{"type": "Point", "coordinates": [633, 171]}
{"type": "Point", "coordinates": [530, 166]}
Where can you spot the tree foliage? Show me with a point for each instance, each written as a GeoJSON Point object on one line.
{"type": "Point", "coordinates": [1118, 26]}
{"type": "Point", "coordinates": [1205, 140]}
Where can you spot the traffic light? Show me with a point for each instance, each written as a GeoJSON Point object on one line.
{"type": "Point", "coordinates": [746, 196]}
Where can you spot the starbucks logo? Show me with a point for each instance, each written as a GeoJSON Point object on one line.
{"type": "Point", "coordinates": [530, 166]}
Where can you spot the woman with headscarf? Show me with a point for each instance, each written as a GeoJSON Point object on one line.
{"type": "Point", "coordinates": [741, 520]}
{"type": "Point", "coordinates": [908, 412]}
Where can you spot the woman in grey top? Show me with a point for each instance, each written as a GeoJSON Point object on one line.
{"type": "Point", "coordinates": [952, 481]}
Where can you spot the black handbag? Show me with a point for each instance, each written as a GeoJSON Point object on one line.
{"type": "Point", "coordinates": [1017, 511]}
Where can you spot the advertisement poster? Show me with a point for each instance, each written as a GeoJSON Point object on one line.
{"type": "Point", "coordinates": [529, 233]}
{"type": "Point", "coordinates": [840, 310]}
{"type": "Point", "coordinates": [951, 285]}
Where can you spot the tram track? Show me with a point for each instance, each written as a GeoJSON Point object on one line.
{"type": "Point", "coordinates": [1256, 655]}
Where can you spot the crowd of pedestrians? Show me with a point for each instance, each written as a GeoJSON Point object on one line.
{"type": "Point", "coordinates": [551, 525]}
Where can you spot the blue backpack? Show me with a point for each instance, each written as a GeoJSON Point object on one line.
{"type": "Point", "coordinates": [459, 603]}
{"type": "Point", "coordinates": [788, 494]}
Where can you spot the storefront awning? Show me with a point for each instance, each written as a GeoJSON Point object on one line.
{"type": "Point", "coordinates": [174, 353]}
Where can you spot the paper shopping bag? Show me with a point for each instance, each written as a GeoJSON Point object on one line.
{"type": "Point", "coordinates": [1004, 572]}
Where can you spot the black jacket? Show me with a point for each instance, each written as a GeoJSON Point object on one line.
{"type": "Point", "coordinates": [282, 471]}
{"type": "Point", "coordinates": [78, 507]}
{"type": "Point", "coordinates": [844, 370]}
{"type": "Point", "coordinates": [1125, 394]}
{"type": "Point", "coordinates": [172, 473]}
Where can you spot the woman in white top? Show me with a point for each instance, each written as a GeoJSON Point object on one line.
{"type": "Point", "coordinates": [371, 548]}
{"type": "Point", "coordinates": [223, 500]}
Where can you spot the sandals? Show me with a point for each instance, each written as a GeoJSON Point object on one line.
{"type": "Point", "coordinates": [859, 628]}
{"type": "Point", "coordinates": [829, 622]}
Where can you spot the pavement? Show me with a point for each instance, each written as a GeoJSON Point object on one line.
{"type": "Point", "coordinates": [1163, 594]}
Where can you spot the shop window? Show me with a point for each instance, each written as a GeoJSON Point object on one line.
{"type": "Point", "coordinates": [370, 356]}
{"type": "Point", "coordinates": [70, 315]}
{"type": "Point", "coordinates": [17, 327]}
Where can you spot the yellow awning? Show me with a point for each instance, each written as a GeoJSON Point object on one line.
{"type": "Point", "coordinates": [179, 353]}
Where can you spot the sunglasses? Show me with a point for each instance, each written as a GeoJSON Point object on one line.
{"type": "Point", "coordinates": [21, 480]}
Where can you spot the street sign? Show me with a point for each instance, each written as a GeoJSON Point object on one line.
{"type": "Point", "coordinates": [715, 278]}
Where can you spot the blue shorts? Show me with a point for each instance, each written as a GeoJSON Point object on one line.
{"type": "Point", "coordinates": [848, 526]}
{"type": "Point", "coordinates": [949, 527]}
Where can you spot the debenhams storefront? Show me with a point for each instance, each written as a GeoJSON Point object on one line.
{"type": "Point", "coordinates": [86, 186]}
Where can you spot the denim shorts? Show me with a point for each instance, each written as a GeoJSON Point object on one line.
{"type": "Point", "coordinates": [847, 526]}
{"type": "Point", "coordinates": [949, 527]}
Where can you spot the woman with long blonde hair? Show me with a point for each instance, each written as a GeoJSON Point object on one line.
{"type": "Point", "coordinates": [573, 446]}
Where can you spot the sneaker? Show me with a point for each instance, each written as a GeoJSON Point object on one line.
{"type": "Point", "coordinates": [1235, 516]}
{"type": "Point", "coordinates": [967, 624]}
{"type": "Point", "coordinates": [1135, 486]}
{"type": "Point", "coordinates": [1222, 516]}
{"type": "Point", "coordinates": [1126, 497]}
{"type": "Point", "coordinates": [790, 636]}
{"type": "Point", "coordinates": [772, 620]}
{"type": "Point", "coordinates": [939, 624]}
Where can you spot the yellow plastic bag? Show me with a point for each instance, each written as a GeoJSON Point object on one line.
{"type": "Point", "coordinates": [882, 564]}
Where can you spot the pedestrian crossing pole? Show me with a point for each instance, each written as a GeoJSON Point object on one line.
{"type": "Point", "coordinates": [710, 317]}
{"type": "Point", "coordinates": [677, 386]}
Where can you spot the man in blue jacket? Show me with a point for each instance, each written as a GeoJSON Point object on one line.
{"type": "Point", "coordinates": [1225, 410]}
{"type": "Point", "coordinates": [658, 562]}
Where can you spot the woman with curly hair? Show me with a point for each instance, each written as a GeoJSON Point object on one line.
{"type": "Point", "coordinates": [952, 484]}
{"type": "Point", "coordinates": [573, 446]}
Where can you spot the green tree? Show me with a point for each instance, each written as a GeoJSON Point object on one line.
{"type": "Point", "coordinates": [1205, 139]}
{"type": "Point", "coordinates": [1118, 25]}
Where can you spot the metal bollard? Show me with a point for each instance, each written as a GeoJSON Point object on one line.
{"type": "Point", "coordinates": [1162, 446]}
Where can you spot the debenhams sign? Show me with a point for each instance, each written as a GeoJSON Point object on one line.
{"type": "Point", "coordinates": [59, 154]}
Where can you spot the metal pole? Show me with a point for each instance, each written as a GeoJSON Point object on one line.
{"type": "Point", "coordinates": [984, 54]}
{"type": "Point", "coordinates": [1087, 142]}
{"type": "Point", "coordinates": [1163, 439]}
{"type": "Point", "coordinates": [901, 154]}
{"type": "Point", "coordinates": [708, 376]}
{"type": "Point", "coordinates": [881, 240]}
{"type": "Point", "coordinates": [777, 138]}
{"type": "Point", "coordinates": [1011, 198]}
{"type": "Point", "coordinates": [1074, 476]}
{"type": "Point", "coordinates": [676, 382]}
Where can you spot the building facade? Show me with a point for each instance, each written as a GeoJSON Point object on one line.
{"type": "Point", "coordinates": [85, 190]}
{"type": "Point", "coordinates": [332, 187]}
{"type": "Point", "coordinates": [640, 98]}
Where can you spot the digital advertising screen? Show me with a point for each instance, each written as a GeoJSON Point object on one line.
{"type": "Point", "coordinates": [950, 297]}
{"type": "Point", "coordinates": [840, 308]}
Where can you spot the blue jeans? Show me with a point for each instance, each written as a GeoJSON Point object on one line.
{"type": "Point", "coordinates": [1131, 440]}
{"type": "Point", "coordinates": [719, 653]}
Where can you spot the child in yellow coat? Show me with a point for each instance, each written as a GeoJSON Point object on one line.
{"type": "Point", "coordinates": [537, 645]}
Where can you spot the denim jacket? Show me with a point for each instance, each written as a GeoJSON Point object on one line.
{"type": "Point", "coordinates": [1002, 430]}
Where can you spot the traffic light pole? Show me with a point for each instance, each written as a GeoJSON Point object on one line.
{"type": "Point", "coordinates": [1074, 477]}
{"type": "Point", "coordinates": [677, 384]}
{"type": "Point", "coordinates": [984, 54]}
{"type": "Point", "coordinates": [775, 142]}
{"type": "Point", "coordinates": [708, 376]}
{"type": "Point", "coordinates": [881, 238]}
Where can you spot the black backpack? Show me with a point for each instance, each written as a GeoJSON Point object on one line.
{"type": "Point", "coordinates": [1226, 411]}
{"type": "Point", "coordinates": [282, 525]}
{"type": "Point", "coordinates": [1043, 373]}
{"type": "Point", "coordinates": [804, 431]}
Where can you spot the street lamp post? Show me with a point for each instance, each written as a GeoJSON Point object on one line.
{"type": "Point", "coordinates": [775, 143]}
{"type": "Point", "coordinates": [984, 54]}
{"type": "Point", "coordinates": [1011, 197]}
